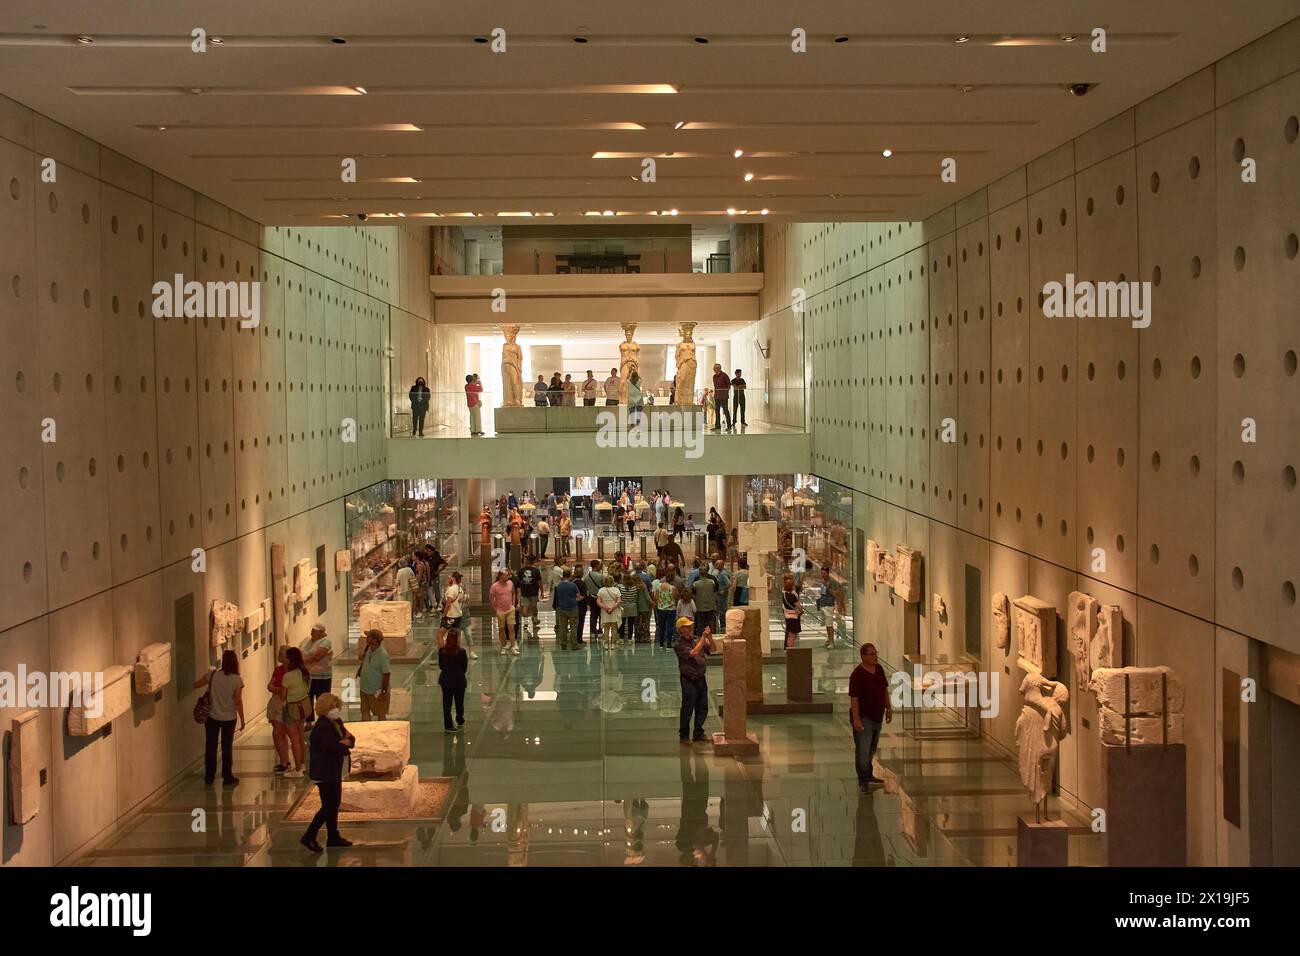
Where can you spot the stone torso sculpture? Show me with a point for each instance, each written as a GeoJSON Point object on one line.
{"type": "Point", "coordinates": [1041, 727]}
{"type": "Point", "coordinates": [629, 359]}
{"type": "Point", "coordinates": [512, 369]}
{"type": "Point", "coordinates": [685, 394]}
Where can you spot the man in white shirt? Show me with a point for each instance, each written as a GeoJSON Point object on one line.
{"type": "Point", "coordinates": [589, 389]}
{"type": "Point", "coordinates": [613, 385]}
{"type": "Point", "coordinates": [405, 582]}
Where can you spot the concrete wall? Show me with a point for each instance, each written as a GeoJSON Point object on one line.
{"type": "Point", "coordinates": [1074, 435]}
{"type": "Point", "coordinates": [171, 435]}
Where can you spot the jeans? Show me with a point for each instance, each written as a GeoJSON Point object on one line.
{"type": "Point", "coordinates": [627, 628]}
{"type": "Point", "coordinates": [566, 623]}
{"type": "Point", "coordinates": [595, 621]}
{"type": "Point", "coordinates": [417, 421]}
{"type": "Point", "coordinates": [542, 541]}
{"type": "Point", "coordinates": [739, 402]}
{"type": "Point", "coordinates": [721, 407]}
{"type": "Point", "coordinates": [695, 697]}
{"type": "Point", "coordinates": [864, 747]}
{"type": "Point", "coordinates": [452, 695]}
{"type": "Point", "coordinates": [331, 795]}
{"type": "Point", "coordinates": [212, 729]}
{"type": "Point", "coordinates": [611, 401]}
{"type": "Point", "coordinates": [705, 619]}
{"type": "Point", "coordinates": [664, 630]}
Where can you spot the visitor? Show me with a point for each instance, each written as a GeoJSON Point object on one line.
{"type": "Point", "coordinates": [613, 386]}
{"type": "Point", "coordinates": [738, 399]}
{"type": "Point", "coordinates": [530, 585]}
{"type": "Point", "coordinates": [436, 563]}
{"type": "Point", "coordinates": [692, 665]}
{"type": "Point", "coordinates": [419, 396]}
{"type": "Point", "coordinates": [318, 655]}
{"type": "Point", "coordinates": [609, 599]}
{"type": "Point", "coordinates": [679, 524]}
{"type": "Point", "coordinates": [629, 515]}
{"type": "Point", "coordinates": [421, 586]}
{"type": "Point", "coordinates": [628, 602]}
{"type": "Point", "coordinates": [565, 598]}
{"type": "Point", "coordinates": [570, 391]}
{"type": "Point", "coordinates": [826, 601]}
{"type": "Point", "coordinates": [566, 533]}
{"type": "Point", "coordinates": [665, 598]}
{"type": "Point", "coordinates": [405, 582]}
{"type": "Point", "coordinates": [690, 523]}
{"type": "Point", "coordinates": [685, 606]}
{"type": "Point", "coordinates": [740, 584]}
{"type": "Point", "coordinates": [453, 614]}
{"type": "Point", "coordinates": [275, 712]}
{"type": "Point", "coordinates": [672, 553]}
{"type": "Point", "coordinates": [512, 503]}
{"type": "Point", "coordinates": [705, 591]}
{"type": "Point", "coordinates": [635, 406]}
{"type": "Point", "coordinates": [474, 402]}
{"type": "Point", "coordinates": [225, 690]}
{"type": "Point", "coordinates": [297, 705]}
{"type": "Point", "coordinates": [592, 582]}
{"type": "Point", "coordinates": [643, 606]}
{"type": "Point", "coordinates": [330, 744]}
{"type": "Point", "coordinates": [721, 397]}
{"type": "Point", "coordinates": [539, 391]}
{"type": "Point", "coordinates": [723, 580]}
{"type": "Point", "coordinates": [453, 663]}
{"type": "Point", "coordinates": [502, 596]}
{"type": "Point", "coordinates": [373, 676]}
{"type": "Point", "coordinates": [868, 706]}
{"type": "Point", "coordinates": [555, 393]}
{"type": "Point", "coordinates": [792, 610]}
{"type": "Point", "coordinates": [589, 389]}
{"type": "Point", "coordinates": [662, 537]}
{"type": "Point", "coordinates": [543, 537]}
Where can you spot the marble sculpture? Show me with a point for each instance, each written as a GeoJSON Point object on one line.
{"type": "Point", "coordinates": [153, 668]}
{"type": "Point", "coordinates": [685, 394]}
{"type": "Point", "coordinates": [1035, 635]}
{"type": "Point", "coordinates": [1149, 711]}
{"type": "Point", "coordinates": [512, 369]}
{"type": "Point", "coordinates": [226, 622]}
{"type": "Point", "coordinates": [342, 561]}
{"type": "Point", "coordinates": [1001, 620]}
{"type": "Point", "coordinates": [25, 767]}
{"type": "Point", "coordinates": [1041, 727]}
{"type": "Point", "coordinates": [1082, 627]}
{"type": "Point", "coordinates": [907, 574]}
{"type": "Point", "coordinates": [88, 715]}
{"type": "Point", "coordinates": [390, 618]}
{"type": "Point", "coordinates": [304, 581]}
{"type": "Point", "coordinates": [629, 353]}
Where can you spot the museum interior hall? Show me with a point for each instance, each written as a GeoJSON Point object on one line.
{"type": "Point", "coordinates": [606, 435]}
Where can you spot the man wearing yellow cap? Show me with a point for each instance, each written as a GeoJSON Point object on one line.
{"type": "Point", "coordinates": [692, 663]}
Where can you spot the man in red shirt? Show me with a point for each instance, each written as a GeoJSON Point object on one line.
{"type": "Point", "coordinates": [721, 397]}
{"type": "Point", "coordinates": [868, 706]}
{"type": "Point", "coordinates": [473, 388]}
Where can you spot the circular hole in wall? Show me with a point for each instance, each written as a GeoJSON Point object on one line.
{"type": "Point", "coordinates": [1239, 258]}
{"type": "Point", "coordinates": [1194, 465]}
{"type": "Point", "coordinates": [1238, 472]}
{"type": "Point", "coordinates": [1238, 578]}
{"type": "Point", "coordinates": [1239, 149]}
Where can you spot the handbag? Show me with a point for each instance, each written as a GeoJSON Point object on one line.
{"type": "Point", "coordinates": [203, 706]}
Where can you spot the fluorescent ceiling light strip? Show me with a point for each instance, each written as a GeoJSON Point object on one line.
{"type": "Point", "coordinates": [583, 90]}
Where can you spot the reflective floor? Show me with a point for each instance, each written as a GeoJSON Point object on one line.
{"type": "Point", "coordinates": [572, 759]}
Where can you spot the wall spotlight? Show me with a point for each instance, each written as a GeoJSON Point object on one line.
{"type": "Point", "coordinates": [679, 124]}
{"type": "Point", "coordinates": [763, 212]}
{"type": "Point", "coordinates": [1079, 89]}
{"type": "Point", "coordinates": [749, 177]}
{"type": "Point", "coordinates": [731, 210]}
{"type": "Point", "coordinates": [886, 153]}
{"type": "Point", "coordinates": [672, 212]}
{"type": "Point", "coordinates": [738, 153]}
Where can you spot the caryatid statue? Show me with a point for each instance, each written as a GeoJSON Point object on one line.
{"type": "Point", "coordinates": [512, 369]}
{"type": "Point", "coordinates": [685, 393]}
{"type": "Point", "coordinates": [629, 359]}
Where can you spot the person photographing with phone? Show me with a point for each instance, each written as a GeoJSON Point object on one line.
{"type": "Point", "coordinates": [692, 664]}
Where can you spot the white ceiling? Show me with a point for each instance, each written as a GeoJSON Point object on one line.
{"type": "Point", "coordinates": [276, 107]}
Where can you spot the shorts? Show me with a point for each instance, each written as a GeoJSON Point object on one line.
{"type": "Point", "coordinates": [376, 705]}
{"type": "Point", "coordinates": [528, 606]}
{"type": "Point", "coordinates": [792, 625]}
{"type": "Point", "coordinates": [275, 709]}
{"type": "Point", "coordinates": [505, 616]}
{"type": "Point", "coordinates": [451, 623]}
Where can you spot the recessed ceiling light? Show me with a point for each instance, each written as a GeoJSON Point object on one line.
{"type": "Point", "coordinates": [672, 212]}
{"type": "Point", "coordinates": [738, 153]}
{"type": "Point", "coordinates": [360, 89]}
{"type": "Point", "coordinates": [887, 153]}
{"type": "Point", "coordinates": [679, 124]}
{"type": "Point", "coordinates": [731, 210]}
{"type": "Point", "coordinates": [1069, 38]}
{"type": "Point", "coordinates": [963, 38]}
{"type": "Point", "coordinates": [608, 212]}
{"type": "Point", "coordinates": [85, 40]}
{"type": "Point", "coordinates": [749, 177]}
{"type": "Point", "coordinates": [764, 212]}
{"type": "Point", "coordinates": [161, 128]}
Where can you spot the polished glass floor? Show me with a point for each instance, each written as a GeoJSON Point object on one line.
{"type": "Point", "coordinates": [572, 759]}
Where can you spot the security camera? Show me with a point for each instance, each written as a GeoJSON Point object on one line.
{"type": "Point", "coordinates": [1080, 89]}
{"type": "Point", "coordinates": [361, 216]}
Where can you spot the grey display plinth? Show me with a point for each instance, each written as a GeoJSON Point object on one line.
{"type": "Point", "coordinates": [1042, 844]}
{"type": "Point", "coordinates": [1145, 789]}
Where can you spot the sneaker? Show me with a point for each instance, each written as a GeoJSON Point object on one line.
{"type": "Point", "coordinates": [473, 656]}
{"type": "Point", "coordinates": [280, 768]}
{"type": "Point", "coordinates": [515, 650]}
{"type": "Point", "coordinates": [504, 652]}
{"type": "Point", "coordinates": [287, 773]}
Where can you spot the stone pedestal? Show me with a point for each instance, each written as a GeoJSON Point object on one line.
{"type": "Point", "coordinates": [1144, 789]}
{"type": "Point", "coordinates": [1042, 844]}
{"type": "Point", "coordinates": [395, 797]}
{"type": "Point", "coordinates": [383, 746]}
{"type": "Point", "coordinates": [798, 674]}
{"type": "Point", "coordinates": [735, 738]}
{"type": "Point", "coordinates": [753, 634]}
{"type": "Point", "coordinates": [758, 598]}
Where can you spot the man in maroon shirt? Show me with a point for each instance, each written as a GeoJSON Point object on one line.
{"type": "Point", "coordinates": [868, 705]}
{"type": "Point", "coordinates": [473, 391]}
{"type": "Point", "coordinates": [721, 397]}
